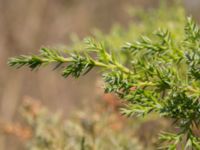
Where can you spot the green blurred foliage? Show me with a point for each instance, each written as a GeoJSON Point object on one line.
{"type": "Point", "coordinates": [169, 16]}
{"type": "Point", "coordinates": [85, 130]}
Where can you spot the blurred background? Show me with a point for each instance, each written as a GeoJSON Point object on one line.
{"type": "Point", "coordinates": [26, 25]}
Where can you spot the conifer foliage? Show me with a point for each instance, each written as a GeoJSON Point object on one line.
{"type": "Point", "coordinates": [162, 77]}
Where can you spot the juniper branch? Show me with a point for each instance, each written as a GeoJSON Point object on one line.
{"type": "Point", "coordinates": [163, 76]}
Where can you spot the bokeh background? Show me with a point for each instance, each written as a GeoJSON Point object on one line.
{"type": "Point", "coordinates": [26, 25]}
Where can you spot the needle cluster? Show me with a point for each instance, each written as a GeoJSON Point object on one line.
{"type": "Point", "coordinates": [162, 77]}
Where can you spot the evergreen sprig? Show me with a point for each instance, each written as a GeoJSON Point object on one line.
{"type": "Point", "coordinates": [163, 77]}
